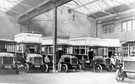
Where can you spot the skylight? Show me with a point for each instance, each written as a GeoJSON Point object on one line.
{"type": "Point", "coordinates": [91, 6]}
{"type": "Point", "coordinates": [6, 5]}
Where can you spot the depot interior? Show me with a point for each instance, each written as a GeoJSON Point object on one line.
{"type": "Point", "coordinates": [104, 19]}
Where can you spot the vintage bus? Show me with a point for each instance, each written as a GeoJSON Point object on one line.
{"type": "Point", "coordinates": [7, 45]}
{"type": "Point", "coordinates": [89, 48]}
{"type": "Point", "coordinates": [47, 47]}
{"type": "Point", "coordinates": [96, 46]}
{"type": "Point", "coordinates": [128, 48]}
{"type": "Point", "coordinates": [7, 55]}
{"type": "Point", "coordinates": [126, 68]}
{"type": "Point", "coordinates": [27, 43]}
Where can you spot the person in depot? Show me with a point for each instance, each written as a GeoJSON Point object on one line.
{"type": "Point", "coordinates": [47, 59]}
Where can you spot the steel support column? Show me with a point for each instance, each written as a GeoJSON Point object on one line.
{"type": "Point", "coordinates": [20, 28]}
{"type": "Point", "coordinates": [96, 29]}
{"type": "Point", "coordinates": [54, 38]}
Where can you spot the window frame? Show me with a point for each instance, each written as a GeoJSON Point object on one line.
{"type": "Point", "coordinates": [127, 28]}
{"type": "Point", "coordinates": [108, 28]}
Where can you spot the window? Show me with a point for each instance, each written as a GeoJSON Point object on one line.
{"type": "Point", "coordinates": [80, 50]}
{"type": "Point", "coordinates": [133, 25]}
{"type": "Point", "coordinates": [104, 29]}
{"type": "Point", "coordinates": [125, 50]}
{"type": "Point", "coordinates": [50, 50]}
{"type": "Point", "coordinates": [111, 28]}
{"type": "Point", "coordinates": [46, 49]}
{"type": "Point", "coordinates": [124, 26]}
{"type": "Point", "coordinates": [108, 28]}
{"type": "Point", "coordinates": [76, 51]}
{"type": "Point", "coordinates": [128, 25]}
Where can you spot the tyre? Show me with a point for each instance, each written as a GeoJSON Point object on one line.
{"type": "Point", "coordinates": [64, 68]}
{"type": "Point", "coordinates": [98, 68]}
{"type": "Point", "coordinates": [118, 76]}
{"type": "Point", "coordinates": [26, 67]}
{"type": "Point", "coordinates": [109, 68]}
{"type": "Point", "coordinates": [45, 68]}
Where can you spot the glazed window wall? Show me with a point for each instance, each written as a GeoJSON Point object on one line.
{"type": "Point", "coordinates": [108, 28]}
{"type": "Point", "coordinates": [50, 50]}
{"type": "Point", "coordinates": [125, 50]}
{"type": "Point", "coordinates": [132, 50]}
{"type": "Point", "coordinates": [10, 47]}
{"type": "Point", "coordinates": [47, 49]}
{"type": "Point", "coordinates": [128, 25]}
{"type": "Point", "coordinates": [80, 50]}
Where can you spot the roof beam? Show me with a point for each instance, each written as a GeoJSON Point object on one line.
{"type": "Point", "coordinates": [116, 14]}
{"type": "Point", "coordinates": [86, 4]}
{"type": "Point", "coordinates": [40, 9]}
{"type": "Point", "coordinates": [25, 5]}
{"type": "Point", "coordinates": [14, 11]}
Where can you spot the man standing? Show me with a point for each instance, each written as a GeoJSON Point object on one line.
{"type": "Point", "coordinates": [46, 59]}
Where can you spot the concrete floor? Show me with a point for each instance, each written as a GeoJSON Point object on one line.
{"type": "Point", "coordinates": [63, 78]}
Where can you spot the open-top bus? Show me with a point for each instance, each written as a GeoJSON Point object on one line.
{"type": "Point", "coordinates": [47, 49]}
{"type": "Point", "coordinates": [29, 50]}
{"type": "Point", "coordinates": [7, 55]}
{"type": "Point", "coordinates": [94, 49]}
{"type": "Point", "coordinates": [126, 68]}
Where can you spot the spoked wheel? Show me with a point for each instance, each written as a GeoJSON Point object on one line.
{"type": "Point", "coordinates": [98, 68]}
{"type": "Point", "coordinates": [26, 67]}
{"type": "Point", "coordinates": [64, 68]}
{"type": "Point", "coordinates": [118, 76]}
{"type": "Point", "coordinates": [45, 68]}
{"type": "Point", "coordinates": [17, 69]}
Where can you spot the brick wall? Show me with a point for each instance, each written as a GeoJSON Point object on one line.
{"type": "Point", "coordinates": [72, 24]}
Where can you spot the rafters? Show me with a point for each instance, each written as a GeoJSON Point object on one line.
{"type": "Point", "coordinates": [86, 4]}
{"type": "Point", "coordinates": [127, 3]}
{"type": "Point", "coordinates": [88, 7]}
{"type": "Point", "coordinates": [5, 5]}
